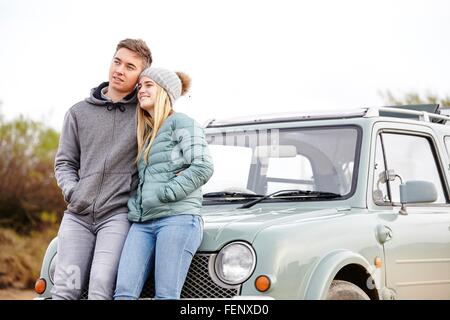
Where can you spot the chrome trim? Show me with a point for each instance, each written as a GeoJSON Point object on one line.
{"type": "Point", "coordinates": [422, 283]}
{"type": "Point", "coordinates": [252, 269]}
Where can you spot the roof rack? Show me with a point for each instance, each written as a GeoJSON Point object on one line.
{"type": "Point", "coordinates": [405, 112]}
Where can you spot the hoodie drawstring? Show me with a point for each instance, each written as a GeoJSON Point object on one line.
{"type": "Point", "coordinates": [111, 106]}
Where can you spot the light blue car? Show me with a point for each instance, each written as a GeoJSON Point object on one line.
{"type": "Point", "coordinates": [338, 205]}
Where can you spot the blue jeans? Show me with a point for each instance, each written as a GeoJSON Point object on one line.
{"type": "Point", "coordinates": [165, 245]}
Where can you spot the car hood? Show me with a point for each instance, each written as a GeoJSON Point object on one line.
{"type": "Point", "coordinates": [225, 225]}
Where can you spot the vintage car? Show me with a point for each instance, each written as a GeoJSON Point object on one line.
{"type": "Point", "coordinates": [328, 205]}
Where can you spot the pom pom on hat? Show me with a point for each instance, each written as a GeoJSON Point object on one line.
{"type": "Point", "coordinates": [185, 81]}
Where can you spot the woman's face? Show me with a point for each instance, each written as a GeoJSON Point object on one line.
{"type": "Point", "coordinates": [147, 93]}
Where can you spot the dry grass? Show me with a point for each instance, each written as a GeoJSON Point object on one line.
{"type": "Point", "coordinates": [21, 257]}
{"type": "Point", "coordinates": [16, 294]}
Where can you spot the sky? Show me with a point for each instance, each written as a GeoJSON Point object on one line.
{"type": "Point", "coordinates": [244, 57]}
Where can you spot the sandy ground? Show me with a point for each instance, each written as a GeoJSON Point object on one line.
{"type": "Point", "coordinates": [15, 294]}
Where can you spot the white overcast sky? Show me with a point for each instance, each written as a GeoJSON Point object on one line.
{"type": "Point", "coordinates": [244, 57]}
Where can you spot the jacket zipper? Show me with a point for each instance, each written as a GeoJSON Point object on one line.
{"type": "Point", "coordinates": [141, 210]}
{"type": "Point", "coordinates": [104, 167]}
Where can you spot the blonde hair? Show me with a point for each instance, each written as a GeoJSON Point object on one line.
{"type": "Point", "coordinates": [148, 126]}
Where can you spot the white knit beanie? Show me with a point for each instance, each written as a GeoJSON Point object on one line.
{"type": "Point", "coordinates": [166, 79]}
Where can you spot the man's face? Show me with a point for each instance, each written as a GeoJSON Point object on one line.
{"type": "Point", "coordinates": [147, 93]}
{"type": "Point", "coordinates": [124, 71]}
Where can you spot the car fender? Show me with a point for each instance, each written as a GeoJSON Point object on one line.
{"type": "Point", "coordinates": [327, 268]}
{"type": "Point", "coordinates": [49, 255]}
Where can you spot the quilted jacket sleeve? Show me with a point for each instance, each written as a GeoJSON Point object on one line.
{"type": "Point", "coordinates": [191, 138]}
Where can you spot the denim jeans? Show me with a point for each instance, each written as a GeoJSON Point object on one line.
{"type": "Point", "coordinates": [165, 246]}
{"type": "Point", "coordinates": [88, 254]}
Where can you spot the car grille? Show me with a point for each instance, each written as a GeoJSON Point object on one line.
{"type": "Point", "coordinates": [198, 284]}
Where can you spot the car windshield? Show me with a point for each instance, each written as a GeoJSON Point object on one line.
{"type": "Point", "coordinates": [261, 162]}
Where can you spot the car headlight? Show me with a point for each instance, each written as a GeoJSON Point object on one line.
{"type": "Point", "coordinates": [52, 268]}
{"type": "Point", "coordinates": [235, 263]}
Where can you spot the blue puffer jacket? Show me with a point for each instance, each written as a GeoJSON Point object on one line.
{"type": "Point", "coordinates": [180, 145]}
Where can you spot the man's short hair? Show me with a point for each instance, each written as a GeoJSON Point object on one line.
{"type": "Point", "coordinates": [140, 47]}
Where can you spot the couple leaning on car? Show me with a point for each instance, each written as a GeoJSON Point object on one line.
{"type": "Point", "coordinates": [131, 170]}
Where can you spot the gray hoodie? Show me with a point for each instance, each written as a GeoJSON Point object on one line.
{"type": "Point", "coordinates": [95, 163]}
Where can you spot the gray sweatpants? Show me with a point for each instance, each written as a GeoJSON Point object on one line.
{"type": "Point", "coordinates": [88, 255]}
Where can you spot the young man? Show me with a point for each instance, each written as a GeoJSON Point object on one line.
{"type": "Point", "coordinates": [96, 171]}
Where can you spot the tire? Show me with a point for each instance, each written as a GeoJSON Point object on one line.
{"type": "Point", "coordinates": [344, 290]}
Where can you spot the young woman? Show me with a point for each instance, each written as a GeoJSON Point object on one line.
{"type": "Point", "coordinates": [173, 163]}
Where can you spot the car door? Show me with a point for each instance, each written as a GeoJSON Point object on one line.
{"type": "Point", "coordinates": [416, 244]}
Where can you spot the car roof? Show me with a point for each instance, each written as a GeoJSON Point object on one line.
{"type": "Point", "coordinates": [425, 112]}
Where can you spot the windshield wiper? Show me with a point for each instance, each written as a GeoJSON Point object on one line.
{"type": "Point", "coordinates": [292, 194]}
{"type": "Point", "coordinates": [223, 194]}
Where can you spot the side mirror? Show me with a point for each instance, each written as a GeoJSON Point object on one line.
{"type": "Point", "coordinates": [417, 191]}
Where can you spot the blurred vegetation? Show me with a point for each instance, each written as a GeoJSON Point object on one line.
{"type": "Point", "coordinates": [31, 204]}
{"type": "Point", "coordinates": [21, 256]}
{"type": "Point", "coordinates": [415, 98]}
{"type": "Point", "coordinates": [29, 196]}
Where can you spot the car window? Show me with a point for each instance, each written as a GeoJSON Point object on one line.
{"type": "Point", "coordinates": [447, 145]}
{"type": "Point", "coordinates": [380, 191]}
{"type": "Point", "coordinates": [320, 159]}
{"type": "Point", "coordinates": [411, 158]}
{"type": "Point", "coordinates": [228, 159]}
{"type": "Point", "coordinates": [289, 173]}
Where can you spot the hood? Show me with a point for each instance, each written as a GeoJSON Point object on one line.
{"type": "Point", "coordinates": [230, 224]}
{"type": "Point", "coordinates": [96, 97]}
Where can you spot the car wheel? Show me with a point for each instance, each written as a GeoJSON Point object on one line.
{"type": "Point", "coordinates": [344, 290]}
